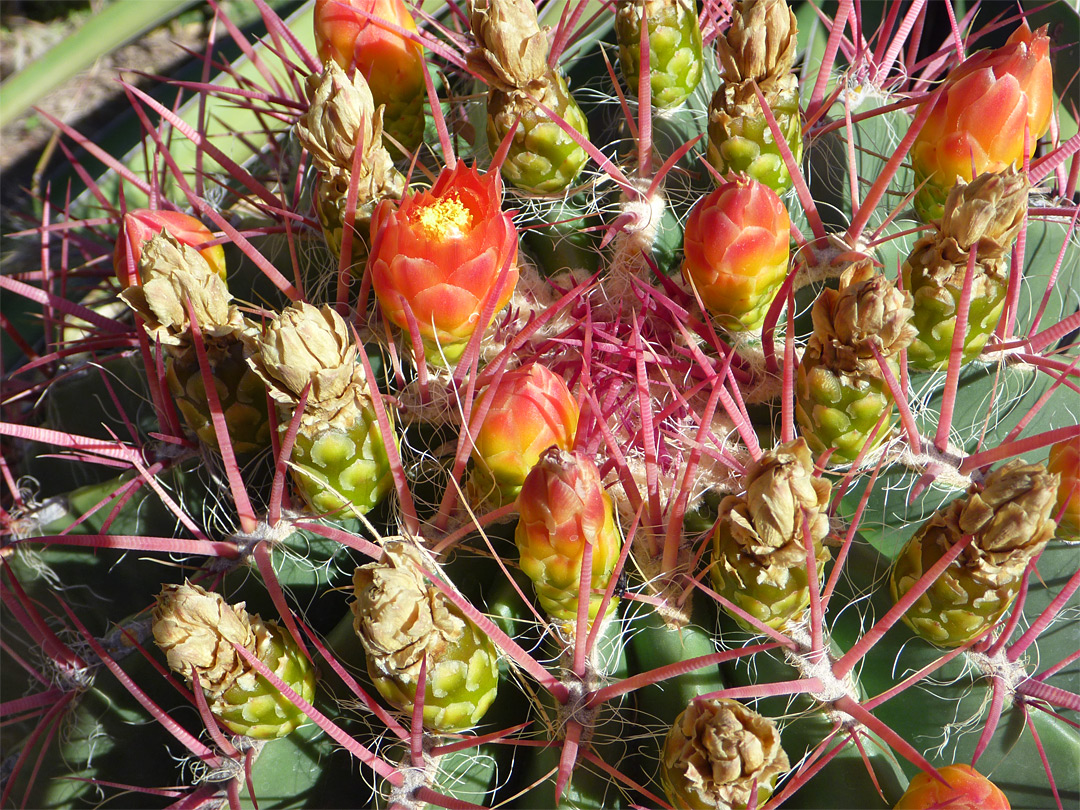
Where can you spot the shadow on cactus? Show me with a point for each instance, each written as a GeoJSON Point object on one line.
{"type": "Point", "coordinates": [349, 467]}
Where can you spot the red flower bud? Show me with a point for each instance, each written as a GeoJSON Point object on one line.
{"type": "Point", "coordinates": [980, 118]}
{"type": "Point", "coordinates": [140, 225]}
{"type": "Point", "coordinates": [736, 251]}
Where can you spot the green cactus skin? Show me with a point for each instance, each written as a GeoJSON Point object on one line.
{"type": "Point", "coordinates": [543, 158]}
{"type": "Point", "coordinates": [675, 61]}
{"type": "Point", "coordinates": [336, 470]}
{"type": "Point", "coordinates": [935, 318]}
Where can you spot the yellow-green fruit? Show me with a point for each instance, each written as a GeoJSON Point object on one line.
{"type": "Point", "coordinates": [240, 392]}
{"type": "Point", "coordinates": [543, 157]}
{"type": "Point", "coordinates": [841, 411]}
{"type": "Point", "coordinates": [741, 142]}
{"type": "Point", "coordinates": [759, 546]}
{"type": "Point", "coordinates": [402, 621]}
{"type": "Point", "coordinates": [1009, 519]}
{"type": "Point", "coordinates": [263, 712]}
{"type": "Point", "coordinates": [198, 629]}
{"type": "Point", "coordinates": [339, 469]}
{"type": "Point", "coordinates": [675, 63]}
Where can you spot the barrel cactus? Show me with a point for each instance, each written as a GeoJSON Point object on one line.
{"type": "Point", "coordinates": [345, 467]}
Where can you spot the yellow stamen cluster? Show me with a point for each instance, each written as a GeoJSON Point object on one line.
{"type": "Point", "coordinates": [445, 219]}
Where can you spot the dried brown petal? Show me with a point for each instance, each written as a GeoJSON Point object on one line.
{"type": "Point", "coordinates": [867, 310]}
{"type": "Point", "coordinates": [768, 521]}
{"type": "Point", "coordinates": [174, 274]}
{"type": "Point", "coordinates": [986, 213]}
{"type": "Point", "coordinates": [760, 45]}
{"type": "Point", "coordinates": [1010, 516]}
{"type": "Point", "coordinates": [193, 626]}
{"type": "Point", "coordinates": [512, 51]}
{"type": "Point", "coordinates": [717, 751]}
{"type": "Point", "coordinates": [341, 118]}
{"type": "Point", "coordinates": [399, 615]}
{"type": "Point", "coordinates": [307, 344]}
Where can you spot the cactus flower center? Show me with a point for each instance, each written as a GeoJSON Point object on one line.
{"type": "Point", "coordinates": [445, 219]}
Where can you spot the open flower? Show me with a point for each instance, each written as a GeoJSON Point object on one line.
{"type": "Point", "coordinates": [140, 225]}
{"type": "Point", "coordinates": [736, 251]}
{"type": "Point", "coordinates": [443, 254]}
{"type": "Point", "coordinates": [989, 101]}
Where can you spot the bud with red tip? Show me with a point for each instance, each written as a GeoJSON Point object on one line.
{"type": "Point", "coordinates": [530, 410]}
{"type": "Point", "coordinates": [358, 33]}
{"type": "Point", "coordinates": [563, 508]}
{"type": "Point", "coordinates": [964, 789]}
{"type": "Point", "coordinates": [991, 103]}
{"type": "Point", "coordinates": [141, 225]}
{"type": "Point", "coordinates": [736, 251]}
{"type": "Point", "coordinates": [1065, 461]}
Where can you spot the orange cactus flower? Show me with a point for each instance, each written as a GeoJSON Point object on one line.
{"type": "Point", "coordinates": [1065, 461]}
{"type": "Point", "coordinates": [140, 225]}
{"type": "Point", "coordinates": [441, 254]}
{"type": "Point", "coordinates": [736, 251]}
{"type": "Point", "coordinates": [967, 789]}
{"type": "Point", "coordinates": [980, 118]}
{"type": "Point", "coordinates": [348, 32]}
{"type": "Point", "coordinates": [529, 411]}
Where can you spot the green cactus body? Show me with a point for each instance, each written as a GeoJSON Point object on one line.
{"type": "Point", "coordinates": [460, 686]}
{"type": "Point", "coordinates": [543, 158]}
{"type": "Point", "coordinates": [337, 469]}
{"type": "Point", "coordinates": [841, 411]}
{"type": "Point", "coordinates": [675, 63]}
{"type": "Point", "coordinates": [263, 712]}
{"type": "Point", "coordinates": [935, 317]}
{"type": "Point", "coordinates": [741, 142]}
{"type": "Point", "coordinates": [957, 606]}
{"type": "Point", "coordinates": [240, 392]}
{"type": "Point", "coordinates": [776, 595]}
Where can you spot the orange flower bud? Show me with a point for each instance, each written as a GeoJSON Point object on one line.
{"type": "Point", "coordinates": [530, 411]}
{"type": "Point", "coordinates": [441, 254]}
{"type": "Point", "coordinates": [1065, 461]}
{"type": "Point", "coordinates": [348, 32]}
{"type": "Point", "coordinates": [967, 790]}
{"type": "Point", "coordinates": [736, 251]}
{"type": "Point", "coordinates": [980, 118]}
{"type": "Point", "coordinates": [141, 225]}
